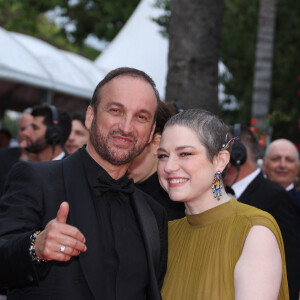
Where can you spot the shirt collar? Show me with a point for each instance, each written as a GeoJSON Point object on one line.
{"type": "Point", "coordinates": [290, 187]}
{"type": "Point", "coordinates": [59, 156]}
{"type": "Point", "coordinates": [240, 186]}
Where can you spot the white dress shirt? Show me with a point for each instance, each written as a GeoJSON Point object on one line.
{"type": "Point", "coordinates": [240, 186]}
{"type": "Point", "coordinates": [59, 156]}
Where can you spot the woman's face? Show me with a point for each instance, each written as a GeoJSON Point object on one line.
{"type": "Point", "coordinates": [184, 170]}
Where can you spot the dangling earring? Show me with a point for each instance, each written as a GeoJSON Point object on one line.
{"type": "Point", "coordinates": [217, 185]}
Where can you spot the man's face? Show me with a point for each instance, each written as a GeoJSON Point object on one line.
{"type": "Point", "coordinates": [281, 163]}
{"type": "Point", "coordinates": [123, 125]}
{"type": "Point", "coordinates": [25, 130]}
{"type": "Point", "coordinates": [38, 140]}
{"type": "Point", "coordinates": [78, 137]}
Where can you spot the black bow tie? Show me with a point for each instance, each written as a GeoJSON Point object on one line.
{"type": "Point", "coordinates": [123, 186]}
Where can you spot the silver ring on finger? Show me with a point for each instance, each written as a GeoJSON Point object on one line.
{"type": "Point", "coordinates": [62, 248]}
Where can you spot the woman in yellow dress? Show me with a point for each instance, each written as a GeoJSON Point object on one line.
{"type": "Point", "coordinates": [221, 249]}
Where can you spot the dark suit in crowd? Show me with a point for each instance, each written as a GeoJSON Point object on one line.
{"type": "Point", "coordinates": [296, 194]}
{"type": "Point", "coordinates": [8, 157]}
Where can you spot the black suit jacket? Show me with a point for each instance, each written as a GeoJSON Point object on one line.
{"type": "Point", "coordinates": [272, 198]}
{"type": "Point", "coordinates": [296, 194]}
{"type": "Point", "coordinates": [32, 197]}
{"type": "Point", "coordinates": [8, 157]}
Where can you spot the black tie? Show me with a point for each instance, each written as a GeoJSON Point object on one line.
{"type": "Point", "coordinates": [123, 186]}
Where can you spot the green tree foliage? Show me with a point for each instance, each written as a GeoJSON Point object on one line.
{"type": "Point", "coordinates": [163, 20]}
{"type": "Point", "coordinates": [238, 54]}
{"type": "Point", "coordinates": [23, 16]}
{"type": "Point", "coordinates": [28, 17]}
{"type": "Point", "coordinates": [285, 105]}
{"type": "Point", "coordinates": [101, 18]}
{"type": "Point", "coordinates": [238, 48]}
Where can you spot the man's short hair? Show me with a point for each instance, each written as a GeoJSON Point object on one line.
{"type": "Point", "coordinates": [64, 120]}
{"type": "Point", "coordinates": [125, 71]}
{"type": "Point", "coordinates": [249, 140]}
{"type": "Point", "coordinates": [79, 117]}
{"type": "Point", "coordinates": [163, 115]}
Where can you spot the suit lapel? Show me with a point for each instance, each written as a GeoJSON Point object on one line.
{"type": "Point", "coordinates": [83, 216]}
{"type": "Point", "coordinates": [149, 230]}
{"type": "Point", "coordinates": [246, 196]}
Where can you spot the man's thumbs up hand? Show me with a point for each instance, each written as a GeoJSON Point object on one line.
{"type": "Point", "coordinates": [60, 241]}
{"type": "Point", "coordinates": [62, 213]}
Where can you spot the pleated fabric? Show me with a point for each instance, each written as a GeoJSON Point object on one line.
{"type": "Point", "coordinates": [204, 249]}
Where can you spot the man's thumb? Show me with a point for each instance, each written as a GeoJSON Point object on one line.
{"type": "Point", "coordinates": [63, 212]}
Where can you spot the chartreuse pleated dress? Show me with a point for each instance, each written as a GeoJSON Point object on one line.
{"type": "Point", "coordinates": [204, 249]}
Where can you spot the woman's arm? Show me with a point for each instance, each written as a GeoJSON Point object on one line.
{"type": "Point", "coordinates": [258, 272]}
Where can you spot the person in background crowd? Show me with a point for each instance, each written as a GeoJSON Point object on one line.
{"type": "Point", "coordinates": [25, 134]}
{"type": "Point", "coordinates": [281, 163]}
{"type": "Point", "coordinates": [249, 186]}
{"type": "Point", "coordinates": [5, 137]}
{"type": "Point", "coordinates": [174, 107]}
{"type": "Point", "coordinates": [79, 134]}
{"type": "Point", "coordinates": [222, 249]}
{"type": "Point", "coordinates": [10, 155]}
{"type": "Point", "coordinates": [77, 228]}
{"type": "Point", "coordinates": [51, 128]}
{"type": "Point", "coordinates": [143, 169]}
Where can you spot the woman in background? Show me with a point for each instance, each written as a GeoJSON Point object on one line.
{"type": "Point", "coordinates": [222, 249]}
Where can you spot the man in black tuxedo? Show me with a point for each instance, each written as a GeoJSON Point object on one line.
{"type": "Point", "coordinates": [77, 228]}
{"type": "Point", "coordinates": [250, 187]}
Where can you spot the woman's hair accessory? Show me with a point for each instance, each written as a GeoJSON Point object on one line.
{"type": "Point", "coordinates": [217, 185]}
{"type": "Point", "coordinates": [226, 145]}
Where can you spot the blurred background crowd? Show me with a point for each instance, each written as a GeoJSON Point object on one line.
{"type": "Point", "coordinates": [237, 59]}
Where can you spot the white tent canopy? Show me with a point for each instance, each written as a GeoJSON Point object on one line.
{"type": "Point", "coordinates": [140, 45]}
{"type": "Point", "coordinates": [29, 61]}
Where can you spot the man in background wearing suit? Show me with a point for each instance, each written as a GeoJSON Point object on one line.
{"type": "Point", "coordinates": [51, 128]}
{"type": "Point", "coordinates": [9, 156]}
{"type": "Point", "coordinates": [281, 164]}
{"type": "Point", "coordinates": [250, 187]}
{"type": "Point", "coordinates": [42, 134]}
{"type": "Point", "coordinates": [77, 228]}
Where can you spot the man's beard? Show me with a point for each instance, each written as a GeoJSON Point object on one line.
{"type": "Point", "coordinates": [100, 143]}
{"type": "Point", "coordinates": [38, 146]}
